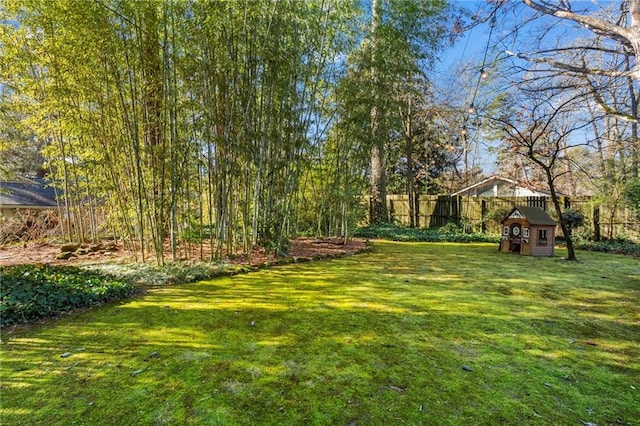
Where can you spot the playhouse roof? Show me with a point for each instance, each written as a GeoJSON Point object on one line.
{"type": "Point", "coordinates": [535, 215]}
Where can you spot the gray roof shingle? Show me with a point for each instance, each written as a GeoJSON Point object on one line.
{"type": "Point", "coordinates": [28, 193]}
{"type": "Point", "coordinates": [535, 215]}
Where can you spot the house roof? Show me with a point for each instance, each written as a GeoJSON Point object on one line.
{"type": "Point", "coordinates": [27, 193]}
{"type": "Point", "coordinates": [534, 215]}
{"type": "Point", "coordinates": [494, 179]}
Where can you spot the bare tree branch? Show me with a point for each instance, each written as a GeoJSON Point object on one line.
{"type": "Point", "coordinates": [598, 26]}
{"type": "Point", "coordinates": [606, 108]}
{"type": "Point", "coordinates": [582, 70]}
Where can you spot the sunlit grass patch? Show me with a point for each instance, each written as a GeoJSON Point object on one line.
{"type": "Point", "coordinates": [412, 333]}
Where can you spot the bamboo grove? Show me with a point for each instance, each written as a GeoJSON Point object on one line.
{"type": "Point", "coordinates": [187, 123]}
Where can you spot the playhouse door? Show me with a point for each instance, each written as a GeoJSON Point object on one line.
{"type": "Point", "coordinates": [515, 238]}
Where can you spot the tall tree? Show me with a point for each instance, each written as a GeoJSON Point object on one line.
{"type": "Point", "coordinates": [542, 132]}
{"type": "Point", "coordinates": [424, 146]}
{"type": "Point", "coordinates": [606, 63]}
{"type": "Point", "coordinates": [622, 29]}
{"type": "Point", "coordinates": [378, 179]}
{"type": "Point", "coordinates": [588, 48]}
{"type": "Point", "coordinates": [186, 120]}
{"type": "Point", "coordinates": [401, 39]}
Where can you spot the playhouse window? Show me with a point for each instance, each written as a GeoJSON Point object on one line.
{"type": "Point", "coordinates": [542, 236]}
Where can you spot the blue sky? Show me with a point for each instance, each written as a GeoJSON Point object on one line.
{"type": "Point", "coordinates": [469, 48]}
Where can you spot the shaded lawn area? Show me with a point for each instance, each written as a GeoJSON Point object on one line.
{"type": "Point", "coordinates": [414, 333]}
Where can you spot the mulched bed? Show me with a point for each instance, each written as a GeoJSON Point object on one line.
{"type": "Point", "coordinates": [302, 249]}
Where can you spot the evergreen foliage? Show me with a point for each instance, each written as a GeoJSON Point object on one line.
{"type": "Point", "coordinates": [202, 118]}
{"type": "Point", "coordinates": [573, 218]}
{"type": "Point", "coordinates": [31, 292]}
{"type": "Point", "coordinates": [632, 194]}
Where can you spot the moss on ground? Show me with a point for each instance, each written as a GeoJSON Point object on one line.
{"type": "Point", "coordinates": [413, 333]}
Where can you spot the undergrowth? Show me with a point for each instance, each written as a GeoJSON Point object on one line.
{"type": "Point", "coordinates": [169, 273]}
{"type": "Point", "coordinates": [449, 233]}
{"type": "Point", "coordinates": [32, 292]}
{"type": "Point", "coordinates": [610, 246]}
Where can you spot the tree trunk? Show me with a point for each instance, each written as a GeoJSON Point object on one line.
{"type": "Point", "coordinates": [634, 10]}
{"type": "Point", "coordinates": [635, 147]}
{"type": "Point", "coordinates": [408, 134]}
{"type": "Point", "coordinates": [410, 185]}
{"type": "Point", "coordinates": [571, 254]}
{"type": "Point", "coordinates": [378, 179]}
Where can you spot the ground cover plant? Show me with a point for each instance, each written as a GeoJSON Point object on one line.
{"type": "Point", "coordinates": [412, 333]}
{"type": "Point", "coordinates": [620, 246]}
{"type": "Point", "coordinates": [31, 292]}
{"type": "Point", "coordinates": [451, 232]}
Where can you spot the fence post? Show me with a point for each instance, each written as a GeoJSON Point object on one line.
{"type": "Point", "coordinates": [540, 202]}
{"type": "Point", "coordinates": [370, 209]}
{"type": "Point", "coordinates": [596, 223]}
{"type": "Point", "coordinates": [455, 209]}
{"type": "Point", "coordinates": [416, 209]}
{"type": "Point", "coordinates": [483, 212]}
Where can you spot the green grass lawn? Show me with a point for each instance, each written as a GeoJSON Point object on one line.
{"type": "Point", "coordinates": [413, 333]}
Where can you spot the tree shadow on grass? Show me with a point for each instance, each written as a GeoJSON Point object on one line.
{"type": "Point", "coordinates": [374, 339]}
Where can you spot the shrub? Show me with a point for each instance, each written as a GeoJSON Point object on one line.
{"type": "Point", "coordinates": [573, 219]}
{"type": "Point", "coordinates": [451, 228]}
{"type": "Point", "coordinates": [29, 225]}
{"type": "Point", "coordinates": [612, 246]}
{"type": "Point", "coordinates": [31, 292]}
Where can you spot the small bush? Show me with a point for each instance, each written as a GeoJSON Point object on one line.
{"type": "Point", "coordinates": [30, 292]}
{"type": "Point", "coordinates": [451, 228]}
{"type": "Point", "coordinates": [573, 219]}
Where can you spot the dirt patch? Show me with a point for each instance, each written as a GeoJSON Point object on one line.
{"type": "Point", "coordinates": [46, 253]}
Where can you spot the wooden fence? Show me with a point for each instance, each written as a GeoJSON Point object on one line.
{"type": "Point", "coordinates": [483, 214]}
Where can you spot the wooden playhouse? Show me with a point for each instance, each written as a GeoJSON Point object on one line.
{"type": "Point", "coordinates": [529, 231]}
